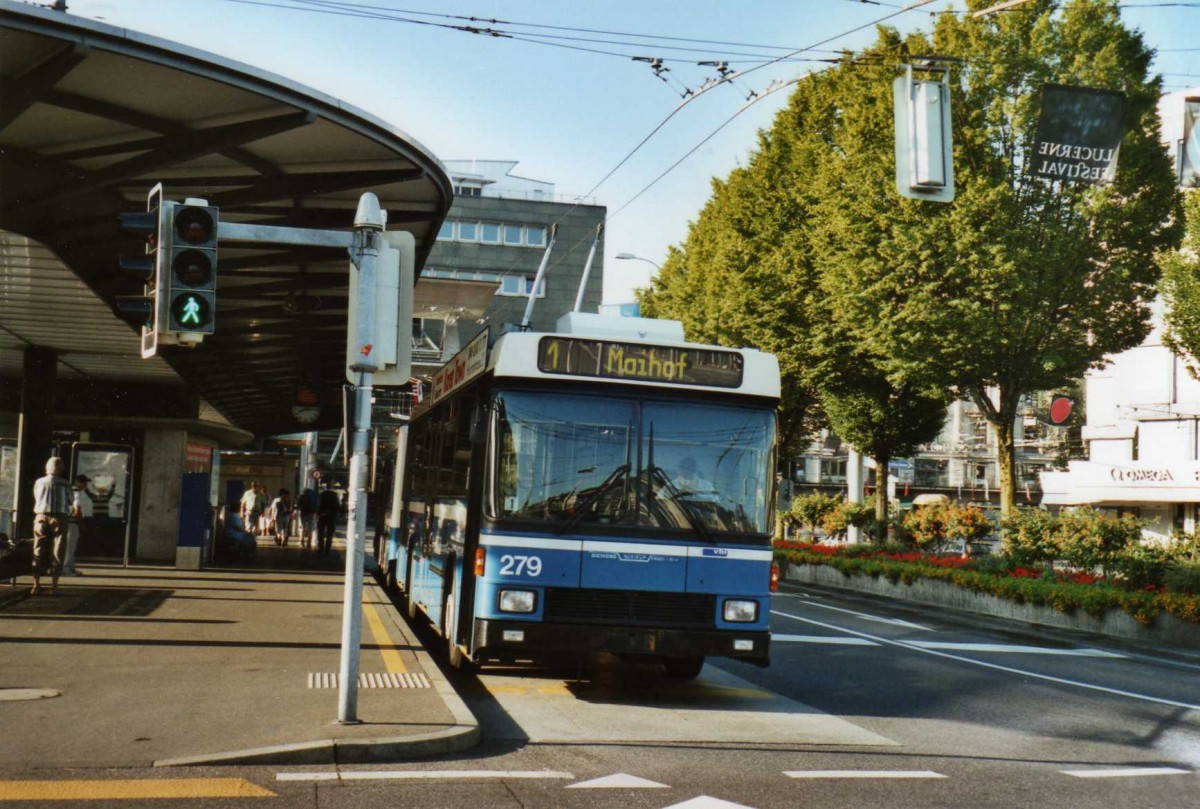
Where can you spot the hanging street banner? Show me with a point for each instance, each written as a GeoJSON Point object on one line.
{"type": "Point", "coordinates": [1189, 147]}
{"type": "Point", "coordinates": [1079, 134]}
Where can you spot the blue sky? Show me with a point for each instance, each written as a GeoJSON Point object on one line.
{"type": "Point", "coordinates": [569, 112]}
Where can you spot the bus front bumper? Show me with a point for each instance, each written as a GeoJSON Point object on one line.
{"type": "Point", "coordinates": [506, 639]}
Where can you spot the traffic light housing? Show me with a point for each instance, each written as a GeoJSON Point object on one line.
{"type": "Point", "coordinates": [143, 310]}
{"type": "Point", "coordinates": [187, 261]}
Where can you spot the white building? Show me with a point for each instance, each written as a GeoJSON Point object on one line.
{"type": "Point", "coordinates": [1143, 438]}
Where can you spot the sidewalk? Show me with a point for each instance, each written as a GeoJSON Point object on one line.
{"type": "Point", "coordinates": [217, 666]}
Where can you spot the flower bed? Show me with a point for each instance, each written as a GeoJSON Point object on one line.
{"type": "Point", "coordinates": [1064, 591]}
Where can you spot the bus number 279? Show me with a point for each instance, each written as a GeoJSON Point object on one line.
{"type": "Point", "coordinates": [520, 565]}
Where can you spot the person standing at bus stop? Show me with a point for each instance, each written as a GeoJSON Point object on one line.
{"type": "Point", "coordinates": [329, 507]}
{"type": "Point", "coordinates": [81, 509]}
{"type": "Point", "coordinates": [51, 509]}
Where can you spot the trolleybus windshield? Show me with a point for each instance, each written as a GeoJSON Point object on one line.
{"type": "Point", "coordinates": [578, 460]}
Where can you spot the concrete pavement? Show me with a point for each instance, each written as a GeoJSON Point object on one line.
{"type": "Point", "coordinates": [150, 665]}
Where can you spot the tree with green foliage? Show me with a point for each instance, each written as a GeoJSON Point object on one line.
{"type": "Point", "coordinates": [1021, 284]}
{"type": "Point", "coordinates": [1181, 290]}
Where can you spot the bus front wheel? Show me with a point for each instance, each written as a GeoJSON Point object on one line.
{"type": "Point", "coordinates": [683, 668]}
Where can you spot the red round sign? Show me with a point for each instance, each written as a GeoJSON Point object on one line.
{"type": "Point", "coordinates": [1061, 408]}
{"type": "Point", "coordinates": [316, 474]}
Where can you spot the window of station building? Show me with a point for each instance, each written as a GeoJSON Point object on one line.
{"type": "Point", "coordinates": [514, 235]}
{"type": "Point", "coordinates": [446, 231]}
{"type": "Point", "coordinates": [520, 285]}
{"type": "Point", "coordinates": [489, 233]}
{"type": "Point", "coordinates": [468, 231]}
{"type": "Point", "coordinates": [535, 236]}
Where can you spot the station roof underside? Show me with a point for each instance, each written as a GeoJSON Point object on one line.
{"type": "Point", "coordinates": [92, 116]}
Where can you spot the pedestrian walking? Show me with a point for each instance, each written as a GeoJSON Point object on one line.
{"type": "Point", "coordinates": [262, 523]}
{"type": "Point", "coordinates": [329, 507]}
{"type": "Point", "coordinates": [248, 506]}
{"type": "Point", "coordinates": [307, 505]}
{"type": "Point", "coordinates": [281, 516]}
{"type": "Point", "coordinates": [81, 510]}
{"type": "Point", "coordinates": [51, 509]}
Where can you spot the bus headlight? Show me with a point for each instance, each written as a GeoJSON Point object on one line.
{"type": "Point", "coordinates": [741, 612]}
{"type": "Point", "coordinates": [517, 601]}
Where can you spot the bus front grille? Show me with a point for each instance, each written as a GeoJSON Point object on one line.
{"type": "Point", "coordinates": [629, 607]}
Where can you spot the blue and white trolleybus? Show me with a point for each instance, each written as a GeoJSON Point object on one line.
{"type": "Point", "coordinates": [607, 487]}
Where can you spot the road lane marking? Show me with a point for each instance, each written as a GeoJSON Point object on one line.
{"type": "Point", "coordinates": [391, 656]}
{"type": "Point", "coordinates": [868, 617]}
{"type": "Point", "coordinates": [836, 641]}
{"type": "Point", "coordinates": [707, 802]}
{"type": "Point", "coordinates": [1126, 772]}
{"type": "Point", "coordinates": [863, 774]}
{"type": "Point", "coordinates": [1012, 649]}
{"type": "Point", "coordinates": [146, 789]}
{"type": "Point", "coordinates": [994, 666]}
{"type": "Point", "coordinates": [413, 775]}
{"type": "Point", "coordinates": [618, 781]}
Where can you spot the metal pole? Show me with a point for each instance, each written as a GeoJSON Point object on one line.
{"type": "Point", "coordinates": [587, 269]}
{"type": "Point", "coordinates": [537, 281]}
{"type": "Point", "coordinates": [368, 224]}
{"type": "Point", "coordinates": [854, 482]}
{"type": "Point", "coordinates": [355, 528]}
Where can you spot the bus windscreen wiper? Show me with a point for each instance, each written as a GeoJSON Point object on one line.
{"type": "Point", "coordinates": [582, 505]}
{"type": "Point", "coordinates": [678, 499]}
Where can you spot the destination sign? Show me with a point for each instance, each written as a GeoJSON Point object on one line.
{"type": "Point", "coordinates": [675, 365]}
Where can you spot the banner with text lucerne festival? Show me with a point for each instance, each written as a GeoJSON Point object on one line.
{"type": "Point", "coordinates": [1079, 134]}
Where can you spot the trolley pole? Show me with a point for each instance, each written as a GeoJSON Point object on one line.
{"type": "Point", "coordinates": [364, 251]}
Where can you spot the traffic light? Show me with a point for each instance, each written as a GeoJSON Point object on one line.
{"type": "Point", "coordinates": [187, 260]}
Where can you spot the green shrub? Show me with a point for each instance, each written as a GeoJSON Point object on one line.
{"type": "Point", "coordinates": [932, 528]}
{"type": "Point", "coordinates": [811, 509]}
{"type": "Point", "coordinates": [1027, 537]}
{"type": "Point", "coordinates": [1183, 578]}
{"type": "Point", "coordinates": [1087, 539]}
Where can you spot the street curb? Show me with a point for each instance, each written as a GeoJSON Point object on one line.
{"type": "Point", "coordinates": [462, 736]}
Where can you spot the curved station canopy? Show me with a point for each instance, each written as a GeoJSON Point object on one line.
{"type": "Point", "coordinates": [92, 116]}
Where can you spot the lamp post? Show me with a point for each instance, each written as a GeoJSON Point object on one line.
{"type": "Point", "coordinates": [632, 257]}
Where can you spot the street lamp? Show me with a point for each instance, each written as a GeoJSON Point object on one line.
{"type": "Point", "coordinates": [632, 257]}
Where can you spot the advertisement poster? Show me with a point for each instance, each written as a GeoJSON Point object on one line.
{"type": "Point", "coordinates": [111, 469]}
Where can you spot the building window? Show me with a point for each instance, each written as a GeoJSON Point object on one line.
{"type": "Point", "coordinates": [468, 190]}
{"type": "Point", "coordinates": [493, 233]}
{"type": "Point", "coordinates": [833, 470]}
{"type": "Point", "coordinates": [520, 285]}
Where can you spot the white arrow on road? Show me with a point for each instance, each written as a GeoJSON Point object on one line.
{"type": "Point", "coordinates": [618, 781]}
{"type": "Point", "coordinates": [705, 802]}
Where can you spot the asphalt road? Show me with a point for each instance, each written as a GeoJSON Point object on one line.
{"type": "Point", "coordinates": [866, 704]}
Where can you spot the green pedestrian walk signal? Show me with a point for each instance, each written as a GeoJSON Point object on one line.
{"type": "Point", "coordinates": [191, 271]}
{"type": "Point", "coordinates": [191, 312]}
